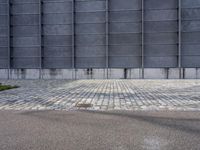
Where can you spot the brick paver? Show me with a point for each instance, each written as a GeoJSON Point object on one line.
{"type": "Point", "coordinates": [102, 94]}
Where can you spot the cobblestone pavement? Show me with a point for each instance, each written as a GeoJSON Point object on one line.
{"type": "Point", "coordinates": [102, 95]}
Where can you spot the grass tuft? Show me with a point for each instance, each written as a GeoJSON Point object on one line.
{"type": "Point", "coordinates": [7, 87]}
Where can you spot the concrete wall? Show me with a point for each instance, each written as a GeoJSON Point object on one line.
{"type": "Point", "coordinates": [161, 73]}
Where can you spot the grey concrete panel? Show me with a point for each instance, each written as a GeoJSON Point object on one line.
{"type": "Point", "coordinates": [57, 19]}
{"type": "Point", "coordinates": [191, 37]}
{"type": "Point", "coordinates": [85, 51]}
{"type": "Point", "coordinates": [3, 63]}
{"type": "Point", "coordinates": [4, 37]}
{"type": "Point", "coordinates": [3, 1]}
{"type": "Point", "coordinates": [125, 16]}
{"type": "Point", "coordinates": [24, 41]}
{"type": "Point", "coordinates": [57, 63]}
{"type": "Point", "coordinates": [90, 39]}
{"type": "Point", "coordinates": [161, 38]}
{"type": "Point", "coordinates": [128, 39]}
{"type": "Point", "coordinates": [120, 50]}
{"type": "Point", "coordinates": [3, 31]}
{"type": "Point", "coordinates": [3, 52]}
{"type": "Point", "coordinates": [52, 51]}
{"type": "Point", "coordinates": [125, 27]}
{"type": "Point", "coordinates": [190, 26]}
{"type": "Point", "coordinates": [90, 6]}
{"type": "Point", "coordinates": [86, 17]}
{"type": "Point", "coordinates": [170, 26]}
{"type": "Point", "coordinates": [4, 73]}
{"type": "Point", "coordinates": [25, 52]}
{"type": "Point", "coordinates": [58, 1]}
{"type": "Point", "coordinates": [60, 7]}
{"type": "Point", "coordinates": [90, 28]}
{"type": "Point", "coordinates": [125, 4]}
{"type": "Point", "coordinates": [160, 62]}
{"type": "Point", "coordinates": [24, 62]}
{"type": "Point", "coordinates": [3, 41]}
{"type": "Point", "coordinates": [160, 15]}
{"type": "Point", "coordinates": [25, 8]}
{"type": "Point", "coordinates": [3, 20]}
{"type": "Point", "coordinates": [23, 1]}
{"type": "Point", "coordinates": [190, 61]}
{"type": "Point", "coordinates": [190, 73]}
{"type": "Point", "coordinates": [160, 4]}
{"type": "Point", "coordinates": [57, 29]}
{"type": "Point", "coordinates": [124, 62]}
{"type": "Point", "coordinates": [57, 40]}
{"type": "Point", "coordinates": [190, 3]}
{"type": "Point", "coordinates": [90, 62]}
{"type": "Point", "coordinates": [3, 9]}
{"type": "Point", "coordinates": [57, 34]}
{"type": "Point", "coordinates": [57, 74]}
{"type": "Point", "coordinates": [191, 49]}
{"type": "Point", "coordinates": [155, 73]}
{"type": "Point", "coordinates": [24, 20]}
{"type": "Point", "coordinates": [24, 31]}
{"type": "Point", "coordinates": [161, 50]}
{"type": "Point", "coordinates": [191, 14]}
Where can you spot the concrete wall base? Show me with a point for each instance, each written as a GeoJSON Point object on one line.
{"type": "Point", "coordinates": [111, 73]}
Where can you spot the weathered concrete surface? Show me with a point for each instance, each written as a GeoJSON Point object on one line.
{"type": "Point", "coordinates": [149, 73]}
{"type": "Point", "coordinates": [102, 94]}
{"type": "Point", "coordinates": [84, 130]}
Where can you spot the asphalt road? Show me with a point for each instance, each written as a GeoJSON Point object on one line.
{"type": "Point", "coordinates": [87, 130]}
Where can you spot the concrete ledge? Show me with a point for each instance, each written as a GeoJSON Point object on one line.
{"type": "Point", "coordinates": [198, 73]}
{"type": "Point", "coordinates": [24, 74]}
{"type": "Point", "coordinates": [82, 74]}
{"type": "Point", "coordinates": [158, 73]}
{"type": "Point", "coordinates": [99, 74]}
{"type": "Point", "coordinates": [4, 73]}
{"type": "Point", "coordinates": [111, 73]}
{"type": "Point", "coordinates": [190, 73]}
{"type": "Point", "coordinates": [135, 74]}
{"type": "Point", "coordinates": [173, 73]}
{"type": "Point", "coordinates": [115, 73]}
{"type": "Point", "coordinates": [57, 73]}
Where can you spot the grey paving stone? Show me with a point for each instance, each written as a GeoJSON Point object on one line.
{"type": "Point", "coordinates": [102, 94]}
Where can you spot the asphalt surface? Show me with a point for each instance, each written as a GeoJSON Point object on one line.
{"type": "Point", "coordinates": [89, 130]}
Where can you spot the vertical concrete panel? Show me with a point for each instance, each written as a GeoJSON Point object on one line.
{"type": "Point", "coordinates": [25, 41]}
{"type": "Point", "coordinates": [57, 34]}
{"type": "Point", "coordinates": [4, 34]}
{"type": "Point", "coordinates": [160, 38]}
{"type": "Point", "coordinates": [190, 35]}
{"type": "Point", "coordinates": [125, 33]}
{"type": "Point", "coordinates": [90, 28]}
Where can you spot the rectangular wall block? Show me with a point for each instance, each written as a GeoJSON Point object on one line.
{"type": "Point", "coordinates": [155, 73]}
{"type": "Point", "coordinates": [4, 73]}
{"type": "Point", "coordinates": [190, 73]}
